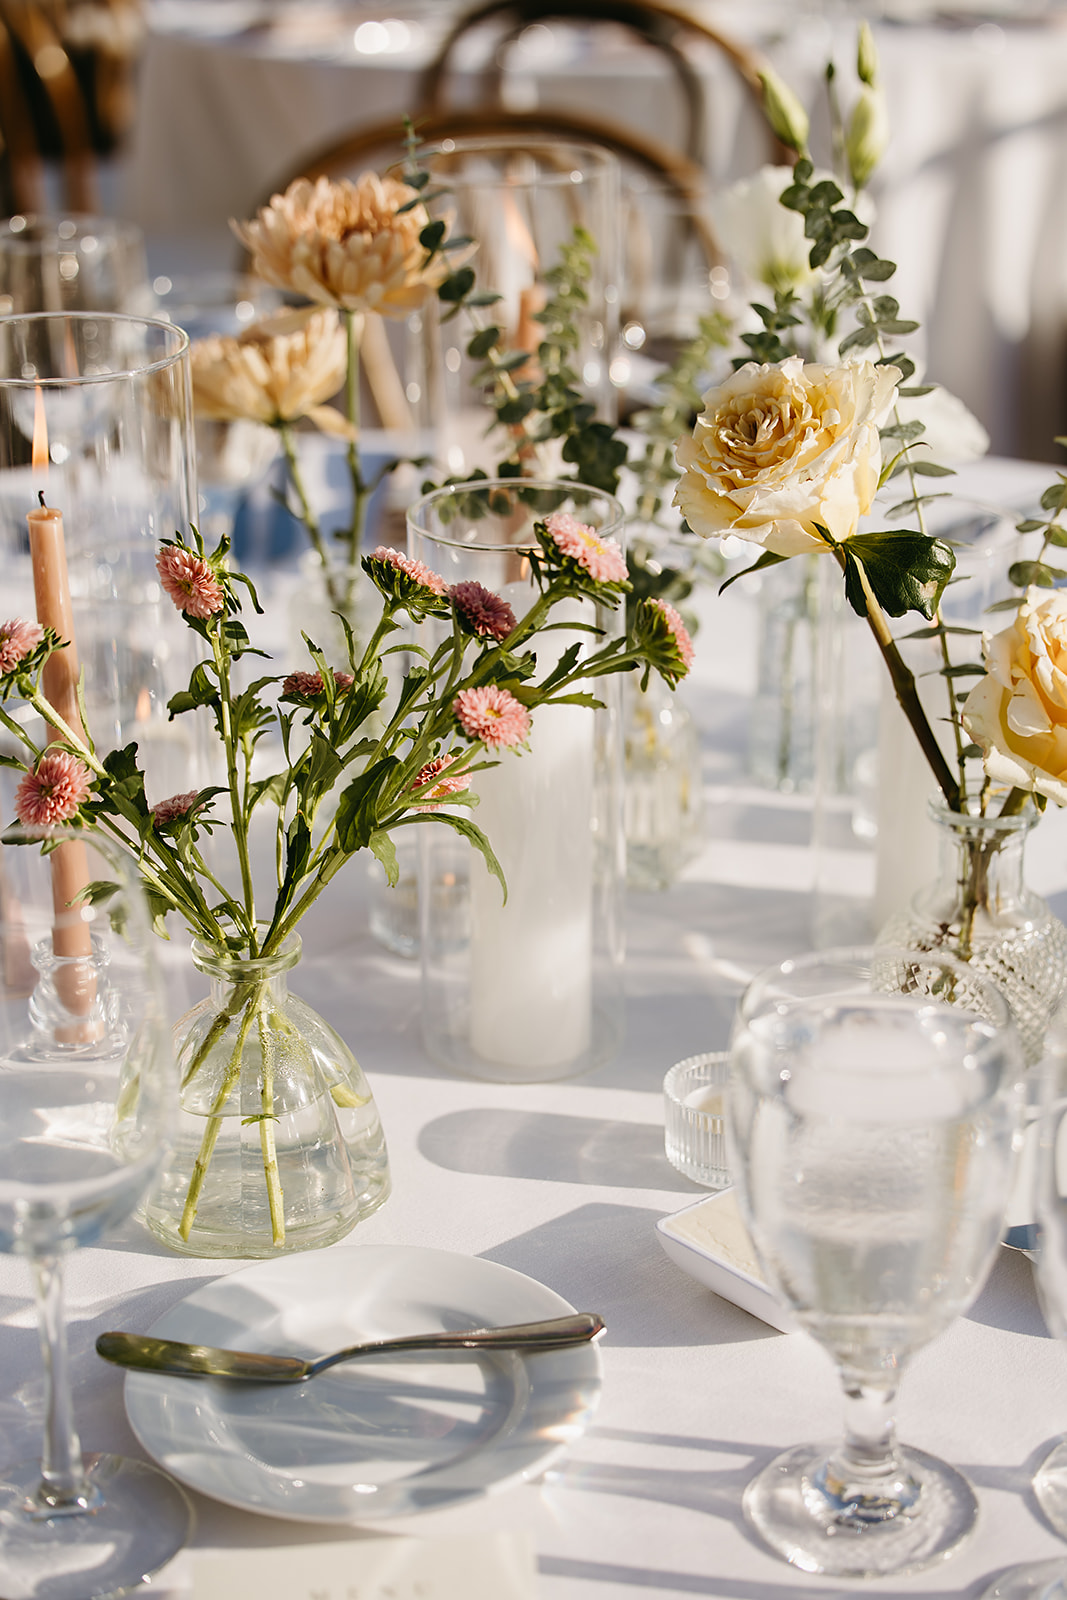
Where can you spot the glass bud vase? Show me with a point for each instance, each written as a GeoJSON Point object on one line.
{"type": "Point", "coordinates": [980, 910]}
{"type": "Point", "coordinates": [279, 1146]}
{"type": "Point", "coordinates": [663, 787]}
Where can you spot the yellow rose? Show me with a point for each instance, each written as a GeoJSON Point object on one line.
{"type": "Point", "coordinates": [1018, 711]}
{"type": "Point", "coordinates": [778, 449]}
{"type": "Point", "coordinates": [278, 370]}
{"type": "Point", "coordinates": [346, 244]}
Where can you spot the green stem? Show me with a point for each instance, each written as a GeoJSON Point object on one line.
{"type": "Point", "coordinates": [214, 1124]}
{"type": "Point", "coordinates": [238, 817]}
{"type": "Point", "coordinates": [355, 470]}
{"type": "Point", "coordinates": [266, 1132]}
{"type": "Point", "coordinates": [307, 515]}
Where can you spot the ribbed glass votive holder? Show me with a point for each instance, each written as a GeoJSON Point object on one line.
{"type": "Point", "coordinates": [694, 1093]}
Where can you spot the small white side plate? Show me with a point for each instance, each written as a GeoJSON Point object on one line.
{"type": "Point", "coordinates": [708, 1241]}
{"type": "Point", "coordinates": [379, 1437]}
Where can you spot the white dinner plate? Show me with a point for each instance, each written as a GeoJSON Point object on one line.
{"type": "Point", "coordinates": [382, 1436]}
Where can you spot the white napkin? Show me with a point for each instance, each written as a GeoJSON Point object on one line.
{"type": "Point", "coordinates": [493, 1566]}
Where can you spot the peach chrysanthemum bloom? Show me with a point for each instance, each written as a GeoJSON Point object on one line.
{"type": "Point", "coordinates": [309, 684]}
{"type": "Point", "coordinates": [17, 638]}
{"type": "Point", "coordinates": [444, 786]}
{"type": "Point", "coordinates": [484, 612]}
{"type": "Point", "coordinates": [601, 558]}
{"type": "Point", "coordinates": [52, 791]}
{"type": "Point", "coordinates": [179, 805]}
{"type": "Point", "coordinates": [280, 369]}
{"type": "Point", "coordinates": [492, 715]}
{"type": "Point", "coordinates": [189, 581]}
{"type": "Point", "coordinates": [346, 244]}
{"type": "Point", "coordinates": [417, 571]}
{"type": "Point", "coordinates": [679, 631]}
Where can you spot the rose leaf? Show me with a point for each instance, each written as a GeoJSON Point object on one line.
{"type": "Point", "coordinates": [907, 571]}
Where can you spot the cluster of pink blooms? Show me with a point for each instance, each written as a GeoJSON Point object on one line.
{"type": "Point", "coordinates": [179, 805]}
{"type": "Point", "coordinates": [53, 790]}
{"type": "Point", "coordinates": [492, 715]}
{"type": "Point", "coordinates": [484, 612]}
{"type": "Point", "coordinates": [602, 558]}
{"type": "Point", "coordinates": [444, 786]}
{"type": "Point", "coordinates": [309, 684]}
{"type": "Point", "coordinates": [189, 581]}
{"type": "Point", "coordinates": [678, 629]}
{"type": "Point", "coordinates": [17, 639]}
{"type": "Point", "coordinates": [417, 571]}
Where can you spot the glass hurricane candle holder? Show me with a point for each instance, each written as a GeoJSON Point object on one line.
{"type": "Point", "coordinates": [96, 416]}
{"type": "Point", "coordinates": [69, 263]}
{"type": "Point", "coordinates": [529, 990]}
{"type": "Point", "coordinates": [523, 201]}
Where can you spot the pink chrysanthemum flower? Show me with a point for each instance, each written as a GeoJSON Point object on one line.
{"type": "Point", "coordinates": [444, 787]}
{"type": "Point", "coordinates": [309, 684]}
{"type": "Point", "coordinates": [484, 612]}
{"type": "Point", "coordinates": [179, 805]}
{"type": "Point", "coordinates": [189, 581]}
{"type": "Point", "coordinates": [418, 571]}
{"type": "Point", "coordinates": [601, 558]}
{"type": "Point", "coordinates": [53, 791]}
{"type": "Point", "coordinates": [17, 639]}
{"type": "Point", "coordinates": [678, 630]}
{"type": "Point", "coordinates": [492, 715]}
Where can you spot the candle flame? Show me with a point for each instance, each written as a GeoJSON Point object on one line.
{"type": "Point", "coordinates": [40, 431]}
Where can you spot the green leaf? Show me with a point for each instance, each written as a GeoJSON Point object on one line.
{"type": "Point", "coordinates": [1055, 496]}
{"type": "Point", "coordinates": [357, 807]}
{"type": "Point", "coordinates": [382, 846]}
{"type": "Point", "coordinates": [915, 390]}
{"type": "Point", "coordinates": [906, 507]}
{"type": "Point", "coordinates": [1031, 525]}
{"type": "Point", "coordinates": [1025, 573]}
{"type": "Point", "coordinates": [477, 838]}
{"type": "Point", "coordinates": [482, 343]}
{"type": "Point", "coordinates": [431, 236]}
{"type": "Point", "coordinates": [858, 339]}
{"type": "Point", "coordinates": [455, 287]}
{"type": "Point", "coordinates": [907, 571]}
{"type": "Point", "coordinates": [871, 267]}
{"type": "Point", "coordinates": [932, 469]}
{"type": "Point", "coordinates": [767, 559]}
{"type": "Point", "coordinates": [907, 431]}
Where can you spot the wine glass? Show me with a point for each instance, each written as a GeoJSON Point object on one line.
{"type": "Point", "coordinates": [1047, 1580]}
{"type": "Point", "coordinates": [87, 1094]}
{"type": "Point", "coordinates": [874, 1104]}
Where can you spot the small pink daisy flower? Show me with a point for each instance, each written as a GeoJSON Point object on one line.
{"type": "Point", "coordinates": [179, 805]}
{"type": "Point", "coordinates": [484, 612]}
{"type": "Point", "coordinates": [446, 786]}
{"type": "Point", "coordinates": [309, 684]}
{"type": "Point", "coordinates": [492, 715]}
{"type": "Point", "coordinates": [418, 571]}
{"type": "Point", "coordinates": [601, 558]}
{"type": "Point", "coordinates": [53, 791]}
{"type": "Point", "coordinates": [189, 581]}
{"type": "Point", "coordinates": [17, 639]}
{"type": "Point", "coordinates": [678, 629]}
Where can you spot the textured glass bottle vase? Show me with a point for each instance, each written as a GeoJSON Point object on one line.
{"type": "Point", "coordinates": [980, 910]}
{"type": "Point", "coordinates": [664, 798]}
{"type": "Point", "coordinates": [279, 1146]}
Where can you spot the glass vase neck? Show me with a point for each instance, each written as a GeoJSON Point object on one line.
{"type": "Point", "coordinates": [225, 967]}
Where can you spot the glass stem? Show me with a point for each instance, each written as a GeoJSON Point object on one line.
{"type": "Point", "coordinates": [64, 1490]}
{"type": "Point", "coordinates": [869, 1448]}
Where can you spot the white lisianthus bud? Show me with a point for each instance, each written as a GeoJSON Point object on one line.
{"type": "Point", "coordinates": [868, 135]}
{"type": "Point", "coordinates": [867, 57]}
{"type": "Point", "coordinates": [787, 117]}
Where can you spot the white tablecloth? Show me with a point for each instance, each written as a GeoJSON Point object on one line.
{"type": "Point", "coordinates": [970, 192]}
{"type": "Point", "coordinates": [565, 1182]}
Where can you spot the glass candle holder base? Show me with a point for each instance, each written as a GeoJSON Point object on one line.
{"type": "Point", "coordinates": [694, 1125]}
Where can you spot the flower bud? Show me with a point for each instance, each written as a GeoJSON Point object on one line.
{"type": "Point", "coordinates": [867, 56]}
{"type": "Point", "coordinates": [787, 117]}
{"type": "Point", "coordinates": [868, 135]}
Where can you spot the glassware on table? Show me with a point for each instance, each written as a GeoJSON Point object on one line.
{"type": "Point", "coordinates": [694, 1114]}
{"type": "Point", "coordinates": [231, 457]}
{"type": "Point", "coordinates": [69, 263]}
{"type": "Point", "coordinates": [872, 1133]}
{"type": "Point", "coordinates": [108, 400]}
{"type": "Point", "coordinates": [530, 990]}
{"type": "Point", "coordinates": [88, 1089]}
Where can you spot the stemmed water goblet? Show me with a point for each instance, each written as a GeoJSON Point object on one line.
{"type": "Point", "coordinates": [87, 1095]}
{"type": "Point", "coordinates": [874, 1106]}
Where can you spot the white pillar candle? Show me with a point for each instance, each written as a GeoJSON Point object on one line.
{"type": "Point", "coordinates": [531, 962]}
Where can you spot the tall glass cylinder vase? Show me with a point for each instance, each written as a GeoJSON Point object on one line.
{"type": "Point", "coordinates": [528, 990]}
{"type": "Point", "coordinates": [525, 202]}
{"type": "Point", "coordinates": [96, 417]}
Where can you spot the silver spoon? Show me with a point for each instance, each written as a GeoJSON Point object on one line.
{"type": "Point", "coordinates": [204, 1361]}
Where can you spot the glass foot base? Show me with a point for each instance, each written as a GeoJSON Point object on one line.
{"type": "Point", "coordinates": [1050, 1487]}
{"type": "Point", "coordinates": [143, 1520]}
{"type": "Point", "coordinates": [777, 1505]}
{"type": "Point", "coordinates": [1036, 1580]}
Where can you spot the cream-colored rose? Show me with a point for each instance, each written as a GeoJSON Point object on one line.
{"type": "Point", "coordinates": [1018, 711]}
{"type": "Point", "coordinates": [345, 244]}
{"type": "Point", "coordinates": [779, 449]}
{"type": "Point", "coordinates": [278, 370]}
